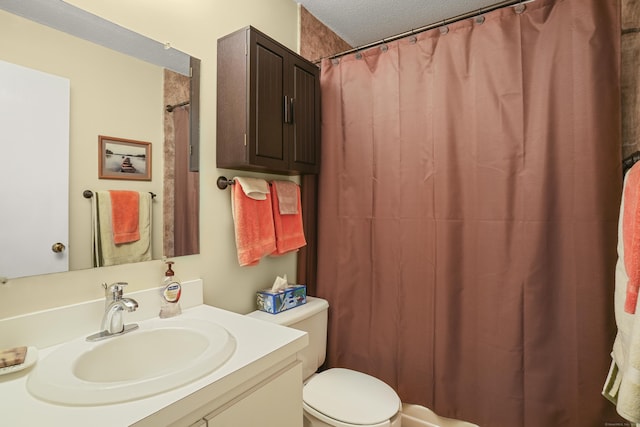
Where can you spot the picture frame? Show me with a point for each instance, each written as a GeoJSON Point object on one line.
{"type": "Point", "coordinates": [120, 158]}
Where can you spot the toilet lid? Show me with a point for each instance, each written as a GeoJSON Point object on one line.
{"type": "Point", "coordinates": [351, 397]}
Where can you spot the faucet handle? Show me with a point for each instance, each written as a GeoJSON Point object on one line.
{"type": "Point", "coordinates": [114, 291]}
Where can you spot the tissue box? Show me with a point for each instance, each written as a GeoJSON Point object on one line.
{"type": "Point", "coordinates": [279, 301]}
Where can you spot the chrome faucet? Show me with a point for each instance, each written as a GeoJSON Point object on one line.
{"type": "Point", "coordinates": [115, 306]}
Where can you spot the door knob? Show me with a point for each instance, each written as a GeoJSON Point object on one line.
{"type": "Point", "coordinates": [58, 247]}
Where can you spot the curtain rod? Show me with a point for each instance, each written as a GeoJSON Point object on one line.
{"type": "Point", "coordinates": [170, 108]}
{"type": "Point", "coordinates": [431, 26]}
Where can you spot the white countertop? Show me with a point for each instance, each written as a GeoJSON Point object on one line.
{"type": "Point", "coordinates": [260, 345]}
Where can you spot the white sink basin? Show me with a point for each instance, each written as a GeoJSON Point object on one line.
{"type": "Point", "coordinates": [161, 355]}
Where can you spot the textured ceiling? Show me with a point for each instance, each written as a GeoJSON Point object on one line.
{"type": "Point", "coordinates": [360, 22]}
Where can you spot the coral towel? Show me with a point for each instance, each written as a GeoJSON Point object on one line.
{"type": "Point", "coordinates": [631, 236]}
{"type": "Point", "coordinates": [288, 227]}
{"type": "Point", "coordinates": [125, 216]}
{"type": "Point", "coordinates": [253, 223]}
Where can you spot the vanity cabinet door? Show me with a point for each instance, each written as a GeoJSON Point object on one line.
{"type": "Point", "coordinates": [276, 403]}
{"type": "Point", "coordinates": [268, 114]}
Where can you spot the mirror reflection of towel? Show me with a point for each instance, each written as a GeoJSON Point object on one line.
{"type": "Point", "coordinates": [125, 216]}
{"type": "Point", "coordinates": [105, 250]}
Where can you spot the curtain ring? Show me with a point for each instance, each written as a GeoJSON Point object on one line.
{"type": "Point", "coordinates": [443, 28]}
{"type": "Point", "coordinates": [413, 39]}
{"type": "Point", "coordinates": [519, 8]}
{"type": "Point", "coordinates": [335, 61]}
{"type": "Point", "coordinates": [358, 55]}
{"type": "Point", "coordinates": [479, 19]}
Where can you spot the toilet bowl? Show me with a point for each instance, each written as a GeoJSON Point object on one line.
{"type": "Point", "coordinates": [346, 398]}
{"type": "Point", "coordinates": [341, 397]}
{"type": "Point", "coordinates": [336, 397]}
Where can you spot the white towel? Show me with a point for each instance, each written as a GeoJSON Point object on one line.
{"type": "Point", "coordinates": [622, 386]}
{"type": "Point", "coordinates": [105, 251]}
{"type": "Point", "coordinates": [254, 188]}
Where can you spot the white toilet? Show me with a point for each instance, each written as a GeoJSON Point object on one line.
{"type": "Point", "coordinates": [336, 397]}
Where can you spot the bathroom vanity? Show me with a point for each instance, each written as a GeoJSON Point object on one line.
{"type": "Point", "coordinates": [259, 383]}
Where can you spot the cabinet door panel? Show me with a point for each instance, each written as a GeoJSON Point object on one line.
{"type": "Point", "coordinates": [306, 118]}
{"type": "Point", "coordinates": [268, 138]}
{"type": "Point", "coordinates": [275, 404]}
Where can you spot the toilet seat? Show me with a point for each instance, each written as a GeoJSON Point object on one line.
{"type": "Point", "coordinates": [346, 398]}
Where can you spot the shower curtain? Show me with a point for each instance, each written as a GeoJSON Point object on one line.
{"type": "Point", "coordinates": [468, 202]}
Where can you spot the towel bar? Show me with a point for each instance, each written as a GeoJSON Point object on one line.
{"type": "Point", "coordinates": [223, 182]}
{"type": "Point", "coordinates": [89, 194]}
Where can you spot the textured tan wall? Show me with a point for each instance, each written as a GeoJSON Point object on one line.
{"type": "Point", "coordinates": [176, 91]}
{"type": "Point", "coordinates": [317, 41]}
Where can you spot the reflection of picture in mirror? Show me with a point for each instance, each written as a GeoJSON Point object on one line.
{"type": "Point", "coordinates": [124, 159]}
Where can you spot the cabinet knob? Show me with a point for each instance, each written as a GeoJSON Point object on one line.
{"type": "Point", "coordinates": [288, 110]}
{"type": "Point", "coordinates": [58, 247]}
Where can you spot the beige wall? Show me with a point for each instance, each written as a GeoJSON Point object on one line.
{"type": "Point", "coordinates": [192, 26]}
{"type": "Point", "coordinates": [127, 100]}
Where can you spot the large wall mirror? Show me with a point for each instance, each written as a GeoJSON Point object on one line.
{"type": "Point", "coordinates": [113, 82]}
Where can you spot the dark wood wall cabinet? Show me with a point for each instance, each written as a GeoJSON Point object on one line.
{"type": "Point", "coordinates": [268, 112]}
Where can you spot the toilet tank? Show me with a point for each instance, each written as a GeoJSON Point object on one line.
{"type": "Point", "coordinates": [311, 318]}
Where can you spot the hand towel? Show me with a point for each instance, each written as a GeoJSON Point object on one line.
{"type": "Point", "coordinates": [254, 188]}
{"type": "Point", "coordinates": [125, 216]}
{"type": "Point", "coordinates": [105, 251]}
{"type": "Point", "coordinates": [253, 224]}
{"type": "Point", "coordinates": [631, 235]}
{"type": "Point", "coordinates": [287, 197]}
{"type": "Point", "coordinates": [288, 227]}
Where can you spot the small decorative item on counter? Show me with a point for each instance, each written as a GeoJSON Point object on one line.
{"type": "Point", "coordinates": [12, 356]}
{"type": "Point", "coordinates": [17, 358]}
{"type": "Point", "coordinates": [170, 294]}
{"type": "Point", "coordinates": [282, 296]}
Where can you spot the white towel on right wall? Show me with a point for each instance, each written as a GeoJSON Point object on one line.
{"type": "Point", "coordinates": [622, 386]}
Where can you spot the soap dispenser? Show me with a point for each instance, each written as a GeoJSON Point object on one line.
{"type": "Point", "coordinates": [170, 294]}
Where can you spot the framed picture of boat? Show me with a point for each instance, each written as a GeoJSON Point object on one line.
{"type": "Point", "coordinates": [123, 159]}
